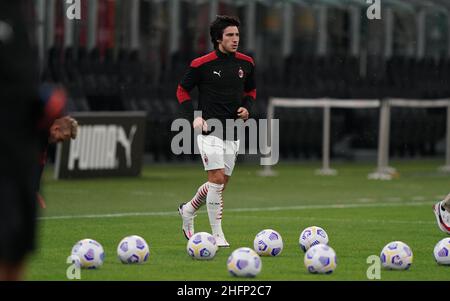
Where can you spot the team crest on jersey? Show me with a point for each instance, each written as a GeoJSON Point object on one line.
{"type": "Point", "coordinates": [241, 73]}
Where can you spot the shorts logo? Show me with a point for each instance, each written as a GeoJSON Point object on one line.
{"type": "Point", "coordinates": [240, 73]}
{"type": "Point", "coordinates": [205, 158]}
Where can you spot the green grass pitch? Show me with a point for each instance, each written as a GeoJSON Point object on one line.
{"type": "Point", "coordinates": [359, 215]}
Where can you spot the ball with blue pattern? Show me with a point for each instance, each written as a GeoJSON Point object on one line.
{"type": "Point", "coordinates": [202, 246]}
{"type": "Point", "coordinates": [133, 249]}
{"type": "Point", "coordinates": [441, 252]}
{"type": "Point", "coordinates": [396, 255]}
{"type": "Point", "coordinates": [90, 253]}
{"type": "Point", "coordinates": [312, 236]}
{"type": "Point", "coordinates": [244, 262]}
{"type": "Point", "coordinates": [320, 259]}
{"type": "Point", "coordinates": [268, 242]}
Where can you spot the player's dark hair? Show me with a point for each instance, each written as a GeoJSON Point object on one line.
{"type": "Point", "coordinates": [218, 26]}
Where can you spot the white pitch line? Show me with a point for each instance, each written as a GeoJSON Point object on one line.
{"type": "Point", "coordinates": [393, 199]}
{"type": "Point", "coordinates": [365, 200]}
{"type": "Point", "coordinates": [346, 220]}
{"type": "Point", "coordinates": [302, 207]}
{"type": "Point", "coordinates": [108, 215]}
{"type": "Point", "coordinates": [150, 193]}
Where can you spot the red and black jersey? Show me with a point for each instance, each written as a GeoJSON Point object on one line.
{"type": "Point", "coordinates": [225, 82]}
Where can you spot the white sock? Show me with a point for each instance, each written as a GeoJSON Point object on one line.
{"type": "Point", "coordinates": [214, 204]}
{"type": "Point", "coordinates": [198, 200]}
{"type": "Point", "coordinates": [446, 202]}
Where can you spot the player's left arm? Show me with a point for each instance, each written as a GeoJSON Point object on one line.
{"type": "Point", "coordinates": [249, 96]}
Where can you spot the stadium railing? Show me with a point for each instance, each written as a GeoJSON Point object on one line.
{"type": "Point", "coordinates": [383, 171]}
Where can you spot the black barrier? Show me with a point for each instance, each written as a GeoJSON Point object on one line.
{"type": "Point", "coordinates": [108, 144]}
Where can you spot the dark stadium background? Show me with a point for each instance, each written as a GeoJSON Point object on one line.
{"type": "Point", "coordinates": [129, 55]}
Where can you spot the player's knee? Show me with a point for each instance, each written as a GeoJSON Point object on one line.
{"type": "Point", "coordinates": [217, 177]}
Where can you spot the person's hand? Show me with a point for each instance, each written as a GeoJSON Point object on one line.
{"type": "Point", "coordinates": [200, 124]}
{"type": "Point", "coordinates": [63, 129]}
{"type": "Point", "coordinates": [243, 113]}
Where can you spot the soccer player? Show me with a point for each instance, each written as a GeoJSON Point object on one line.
{"type": "Point", "coordinates": [227, 90]}
{"type": "Point", "coordinates": [442, 212]}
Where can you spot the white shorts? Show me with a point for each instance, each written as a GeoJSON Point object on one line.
{"type": "Point", "coordinates": [217, 153]}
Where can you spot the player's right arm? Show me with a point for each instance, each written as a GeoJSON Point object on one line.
{"type": "Point", "coordinates": [187, 83]}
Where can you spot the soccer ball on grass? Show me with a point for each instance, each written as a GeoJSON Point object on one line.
{"type": "Point", "coordinates": [268, 242]}
{"type": "Point", "coordinates": [89, 252]}
{"type": "Point", "coordinates": [442, 252]}
{"type": "Point", "coordinates": [320, 259]}
{"type": "Point", "coordinates": [312, 236]}
{"type": "Point", "coordinates": [244, 262]}
{"type": "Point", "coordinates": [133, 249]}
{"type": "Point", "coordinates": [396, 255]}
{"type": "Point", "coordinates": [202, 245]}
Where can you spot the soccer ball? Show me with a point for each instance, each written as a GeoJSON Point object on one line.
{"type": "Point", "coordinates": [320, 259]}
{"type": "Point", "coordinates": [244, 262]}
{"type": "Point", "coordinates": [396, 255]}
{"type": "Point", "coordinates": [312, 236]}
{"type": "Point", "coordinates": [442, 252]}
{"type": "Point", "coordinates": [268, 242]}
{"type": "Point", "coordinates": [202, 246]}
{"type": "Point", "coordinates": [89, 252]}
{"type": "Point", "coordinates": [133, 249]}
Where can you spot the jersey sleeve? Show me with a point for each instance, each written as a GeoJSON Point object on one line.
{"type": "Point", "coordinates": [249, 90]}
{"type": "Point", "coordinates": [187, 83]}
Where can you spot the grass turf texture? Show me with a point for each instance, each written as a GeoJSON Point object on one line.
{"type": "Point", "coordinates": [359, 215]}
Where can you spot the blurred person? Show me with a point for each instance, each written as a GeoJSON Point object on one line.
{"type": "Point", "coordinates": [30, 118]}
{"type": "Point", "coordinates": [227, 90]}
{"type": "Point", "coordinates": [19, 144]}
{"type": "Point", "coordinates": [442, 212]}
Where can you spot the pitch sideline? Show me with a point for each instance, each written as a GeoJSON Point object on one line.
{"type": "Point", "coordinates": [302, 207]}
